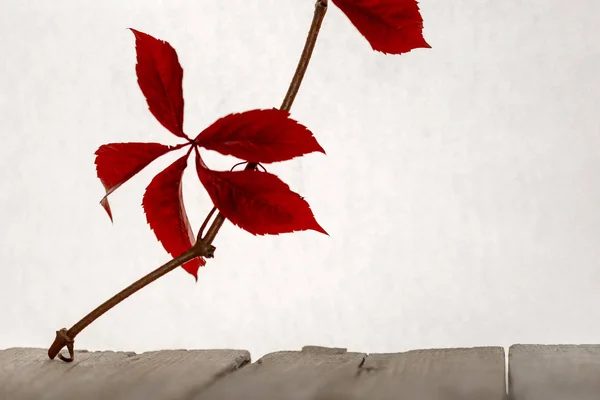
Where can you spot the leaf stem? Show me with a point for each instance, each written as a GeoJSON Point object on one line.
{"type": "Point", "coordinates": [203, 247]}
{"type": "Point", "coordinates": [290, 96]}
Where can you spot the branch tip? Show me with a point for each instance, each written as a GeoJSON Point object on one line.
{"type": "Point", "coordinates": [61, 340]}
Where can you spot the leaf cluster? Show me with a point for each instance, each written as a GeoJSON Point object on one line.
{"type": "Point", "coordinates": [258, 202]}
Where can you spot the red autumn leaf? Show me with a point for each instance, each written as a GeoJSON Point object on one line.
{"type": "Point", "coordinates": [390, 26]}
{"type": "Point", "coordinates": [165, 213]}
{"type": "Point", "coordinates": [160, 79]}
{"type": "Point", "coordinates": [106, 206]}
{"type": "Point", "coordinates": [116, 163]}
{"type": "Point", "coordinates": [263, 136]}
{"type": "Point", "coordinates": [258, 202]}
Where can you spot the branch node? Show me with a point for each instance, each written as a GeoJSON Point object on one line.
{"type": "Point", "coordinates": [321, 3]}
{"type": "Point", "coordinates": [62, 339]}
{"type": "Point", "coordinates": [204, 249]}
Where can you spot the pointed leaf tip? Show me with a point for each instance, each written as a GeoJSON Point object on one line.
{"type": "Point", "coordinates": [390, 26]}
{"type": "Point", "coordinates": [106, 206]}
{"type": "Point", "coordinates": [258, 202]}
{"type": "Point", "coordinates": [116, 163]}
{"type": "Point", "coordinates": [262, 136]}
{"type": "Point", "coordinates": [160, 78]}
{"type": "Point", "coordinates": [166, 215]}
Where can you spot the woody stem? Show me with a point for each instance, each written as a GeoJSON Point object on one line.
{"type": "Point", "coordinates": [203, 246]}
{"type": "Point", "coordinates": [65, 337]}
{"type": "Point", "coordinates": [290, 96]}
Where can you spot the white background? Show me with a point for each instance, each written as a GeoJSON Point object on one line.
{"type": "Point", "coordinates": [460, 186]}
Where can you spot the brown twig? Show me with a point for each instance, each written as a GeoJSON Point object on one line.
{"type": "Point", "coordinates": [203, 246]}
{"type": "Point", "coordinates": [290, 96]}
{"type": "Point", "coordinates": [66, 337]}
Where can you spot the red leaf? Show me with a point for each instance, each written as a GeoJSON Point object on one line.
{"type": "Point", "coordinates": [263, 136]}
{"type": "Point", "coordinates": [116, 163]}
{"type": "Point", "coordinates": [163, 204]}
{"type": "Point", "coordinates": [106, 206]}
{"type": "Point", "coordinates": [160, 78]}
{"type": "Point", "coordinates": [257, 202]}
{"type": "Point", "coordinates": [390, 26]}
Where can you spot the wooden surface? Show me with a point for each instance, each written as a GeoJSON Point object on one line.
{"type": "Point", "coordinates": [292, 375]}
{"type": "Point", "coordinates": [566, 372]}
{"type": "Point", "coordinates": [535, 372]}
{"type": "Point", "coordinates": [318, 374]}
{"type": "Point", "coordinates": [169, 374]}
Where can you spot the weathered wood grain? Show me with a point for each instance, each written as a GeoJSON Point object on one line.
{"type": "Point", "coordinates": [320, 374]}
{"type": "Point", "coordinates": [435, 374]}
{"type": "Point", "coordinates": [290, 375]}
{"type": "Point", "coordinates": [566, 372]}
{"type": "Point", "coordinates": [169, 374]}
{"type": "Point", "coordinates": [559, 372]}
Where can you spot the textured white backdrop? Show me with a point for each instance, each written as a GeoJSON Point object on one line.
{"type": "Point", "coordinates": [460, 186]}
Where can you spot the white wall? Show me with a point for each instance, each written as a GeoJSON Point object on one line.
{"type": "Point", "coordinates": [460, 188]}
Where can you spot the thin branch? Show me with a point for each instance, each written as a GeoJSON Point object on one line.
{"type": "Point", "coordinates": [201, 230]}
{"type": "Point", "coordinates": [66, 337]}
{"type": "Point", "coordinates": [203, 246]}
{"type": "Point", "coordinates": [290, 96]}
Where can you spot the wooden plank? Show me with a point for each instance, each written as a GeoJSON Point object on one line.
{"type": "Point", "coordinates": [435, 374]}
{"type": "Point", "coordinates": [319, 374]}
{"type": "Point", "coordinates": [169, 374]}
{"type": "Point", "coordinates": [553, 372]}
{"type": "Point", "coordinates": [289, 375]}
